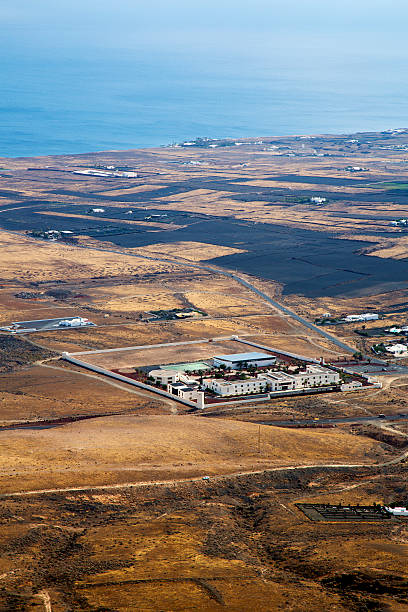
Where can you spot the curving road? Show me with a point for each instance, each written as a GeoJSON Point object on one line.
{"type": "Point", "coordinates": [214, 270]}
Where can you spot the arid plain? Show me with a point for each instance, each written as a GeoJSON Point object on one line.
{"type": "Point", "coordinates": [111, 513]}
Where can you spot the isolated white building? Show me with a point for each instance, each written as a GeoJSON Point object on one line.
{"type": "Point", "coordinates": [400, 511]}
{"type": "Point", "coordinates": [75, 322]}
{"type": "Point", "coordinates": [398, 330]}
{"type": "Point", "coordinates": [368, 316]}
{"type": "Point", "coordinates": [397, 349]}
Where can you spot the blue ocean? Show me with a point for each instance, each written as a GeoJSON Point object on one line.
{"type": "Point", "coordinates": [90, 75]}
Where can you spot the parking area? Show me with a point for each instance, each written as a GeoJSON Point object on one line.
{"type": "Point", "coordinates": [41, 325]}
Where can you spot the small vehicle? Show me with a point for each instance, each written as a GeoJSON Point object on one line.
{"type": "Point", "coordinates": [206, 478]}
{"type": "Point", "coordinates": [381, 416]}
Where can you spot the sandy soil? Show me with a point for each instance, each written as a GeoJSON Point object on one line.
{"type": "Point", "coordinates": [133, 448]}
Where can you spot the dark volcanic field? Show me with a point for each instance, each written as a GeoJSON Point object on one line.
{"type": "Point", "coordinates": [306, 262]}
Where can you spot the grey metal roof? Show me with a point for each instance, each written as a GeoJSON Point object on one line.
{"type": "Point", "coordinates": [244, 356]}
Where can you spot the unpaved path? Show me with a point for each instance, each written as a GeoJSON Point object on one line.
{"type": "Point", "coordinates": [44, 595]}
{"type": "Point", "coordinates": [174, 482]}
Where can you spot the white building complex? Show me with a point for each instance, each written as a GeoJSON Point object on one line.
{"type": "Point", "coordinates": [314, 376]}
{"type": "Point", "coordinates": [192, 388]}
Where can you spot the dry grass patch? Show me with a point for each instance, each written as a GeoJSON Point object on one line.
{"type": "Point", "coordinates": [124, 448]}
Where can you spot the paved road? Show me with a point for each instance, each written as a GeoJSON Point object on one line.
{"type": "Point", "coordinates": [305, 422]}
{"type": "Point", "coordinates": [214, 270]}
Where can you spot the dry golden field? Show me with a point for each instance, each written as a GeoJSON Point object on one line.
{"type": "Point", "coordinates": [139, 528]}
{"type": "Point", "coordinates": [131, 449]}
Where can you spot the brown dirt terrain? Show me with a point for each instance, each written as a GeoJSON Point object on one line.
{"type": "Point", "coordinates": [232, 542]}
{"type": "Point", "coordinates": [235, 544]}
{"type": "Point", "coordinates": [47, 393]}
{"type": "Point", "coordinates": [121, 449]}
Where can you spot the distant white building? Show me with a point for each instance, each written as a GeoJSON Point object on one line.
{"type": "Point", "coordinates": [75, 322]}
{"type": "Point", "coordinates": [368, 316]}
{"type": "Point", "coordinates": [238, 360]}
{"type": "Point", "coordinates": [400, 511]}
{"type": "Point", "coordinates": [318, 200]}
{"type": "Point", "coordinates": [398, 330]}
{"type": "Point", "coordinates": [397, 349]}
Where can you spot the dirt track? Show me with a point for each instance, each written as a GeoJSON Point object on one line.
{"type": "Point", "coordinates": [167, 483]}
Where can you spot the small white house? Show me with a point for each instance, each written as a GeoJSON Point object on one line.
{"type": "Point", "coordinates": [397, 349]}
{"type": "Point", "coordinates": [400, 511]}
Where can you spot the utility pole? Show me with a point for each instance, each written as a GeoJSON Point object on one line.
{"type": "Point", "coordinates": [259, 439]}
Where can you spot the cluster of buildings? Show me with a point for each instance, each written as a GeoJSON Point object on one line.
{"type": "Point", "coordinates": [52, 235]}
{"type": "Point", "coordinates": [239, 377]}
{"type": "Point", "coordinates": [318, 200]}
{"type": "Point", "coordinates": [74, 322]}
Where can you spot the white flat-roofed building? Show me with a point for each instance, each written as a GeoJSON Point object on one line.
{"type": "Point", "coordinates": [279, 381]}
{"type": "Point", "coordinates": [236, 387]}
{"type": "Point", "coordinates": [165, 377]}
{"type": "Point", "coordinates": [316, 376]}
{"type": "Point", "coordinates": [190, 393]}
{"type": "Point", "coordinates": [236, 361]}
{"type": "Point", "coordinates": [400, 511]}
{"type": "Point", "coordinates": [368, 316]}
{"type": "Point", "coordinates": [397, 349]}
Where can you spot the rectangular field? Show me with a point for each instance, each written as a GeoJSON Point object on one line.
{"type": "Point", "coordinates": [161, 355]}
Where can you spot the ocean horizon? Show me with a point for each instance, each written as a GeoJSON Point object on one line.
{"type": "Point", "coordinates": [95, 78]}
